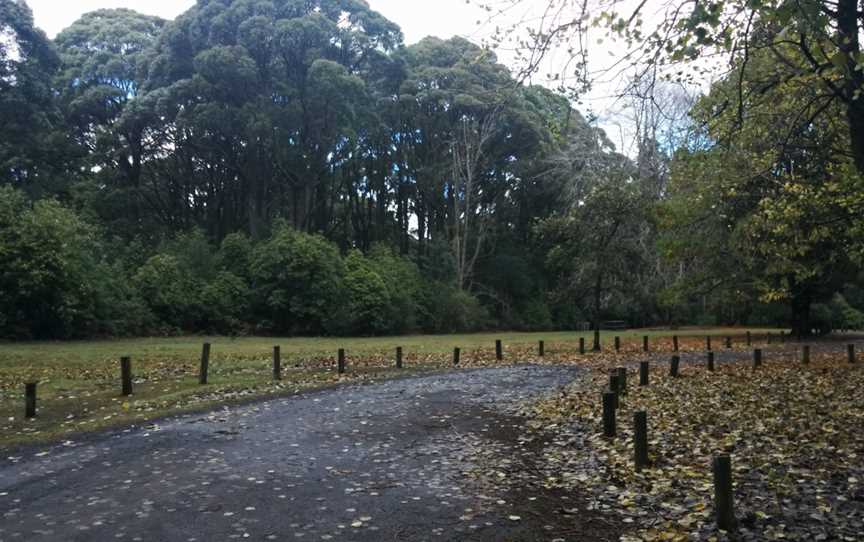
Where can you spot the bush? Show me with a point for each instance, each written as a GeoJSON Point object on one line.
{"type": "Point", "coordinates": [225, 300]}
{"type": "Point", "coordinates": [170, 290]}
{"type": "Point", "coordinates": [298, 282]}
{"type": "Point", "coordinates": [369, 303]}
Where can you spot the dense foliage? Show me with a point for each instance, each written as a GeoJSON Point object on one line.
{"type": "Point", "coordinates": [288, 166]}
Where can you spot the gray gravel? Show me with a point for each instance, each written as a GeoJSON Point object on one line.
{"type": "Point", "coordinates": [386, 461]}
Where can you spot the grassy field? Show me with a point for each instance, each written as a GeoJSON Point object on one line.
{"type": "Point", "coordinates": [79, 388]}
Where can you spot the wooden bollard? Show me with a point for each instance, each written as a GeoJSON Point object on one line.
{"type": "Point", "coordinates": [541, 349]}
{"type": "Point", "coordinates": [640, 439]}
{"type": "Point", "coordinates": [673, 366]}
{"type": "Point", "coordinates": [708, 343]}
{"type": "Point", "coordinates": [769, 337]}
{"type": "Point", "coordinates": [340, 361]}
{"type": "Point", "coordinates": [615, 386]}
{"type": "Point", "coordinates": [277, 363]}
{"type": "Point", "coordinates": [805, 354]}
{"type": "Point", "coordinates": [850, 350]}
{"type": "Point", "coordinates": [724, 510]}
{"type": "Point", "coordinates": [597, 347]}
{"type": "Point", "coordinates": [126, 375]}
{"type": "Point", "coordinates": [581, 345]}
{"type": "Point", "coordinates": [749, 339]}
{"type": "Point", "coordinates": [499, 350]}
{"type": "Point", "coordinates": [30, 400]}
{"type": "Point", "coordinates": [205, 364]}
{"type": "Point", "coordinates": [645, 343]}
{"type": "Point", "coordinates": [455, 356]}
{"type": "Point", "coordinates": [728, 343]}
{"type": "Point", "coordinates": [757, 358]}
{"type": "Point", "coordinates": [609, 400]}
{"type": "Point", "coordinates": [675, 343]}
{"type": "Point", "coordinates": [710, 361]}
{"type": "Point", "coordinates": [617, 344]}
{"type": "Point", "coordinates": [398, 357]}
{"type": "Point", "coordinates": [644, 367]}
{"type": "Point", "coordinates": [622, 380]}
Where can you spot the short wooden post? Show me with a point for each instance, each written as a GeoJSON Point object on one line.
{"type": "Point", "coordinates": [805, 354]}
{"type": "Point", "coordinates": [644, 367]}
{"type": "Point", "coordinates": [622, 380]}
{"type": "Point", "coordinates": [30, 399]}
{"type": "Point", "coordinates": [728, 342]}
{"type": "Point", "coordinates": [675, 343]}
{"type": "Point", "coordinates": [645, 343]}
{"type": "Point", "coordinates": [456, 356]}
{"type": "Point", "coordinates": [609, 400]}
{"type": "Point", "coordinates": [640, 439]}
{"type": "Point", "coordinates": [581, 345]}
{"type": "Point", "coordinates": [711, 361]}
{"type": "Point", "coordinates": [708, 343]}
{"type": "Point", "coordinates": [597, 347]}
{"type": "Point", "coordinates": [205, 364]}
{"type": "Point", "coordinates": [673, 366]}
{"type": "Point", "coordinates": [541, 348]}
{"type": "Point", "coordinates": [617, 344]}
{"type": "Point", "coordinates": [277, 363]}
{"type": "Point", "coordinates": [499, 351]}
{"type": "Point", "coordinates": [398, 357]}
{"type": "Point", "coordinates": [769, 337]}
{"type": "Point", "coordinates": [749, 338]}
{"type": "Point", "coordinates": [850, 350]}
{"type": "Point", "coordinates": [757, 358]}
{"type": "Point", "coordinates": [723, 503]}
{"type": "Point", "coordinates": [126, 375]}
{"type": "Point", "coordinates": [615, 386]}
{"type": "Point", "coordinates": [340, 361]}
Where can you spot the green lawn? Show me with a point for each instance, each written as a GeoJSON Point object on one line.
{"type": "Point", "coordinates": [79, 381]}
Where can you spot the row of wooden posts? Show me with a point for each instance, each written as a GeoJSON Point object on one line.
{"type": "Point", "coordinates": [126, 362]}
{"type": "Point", "coordinates": [721, 464]}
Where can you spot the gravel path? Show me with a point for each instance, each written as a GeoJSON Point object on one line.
{"type": "Point", "coordinates": [387, 461]}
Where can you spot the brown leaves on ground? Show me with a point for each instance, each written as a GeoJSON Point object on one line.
{"type": "Point", "coordinates": [794, 433]}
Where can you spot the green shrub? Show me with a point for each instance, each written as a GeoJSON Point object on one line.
{"type": "Point", "coordinates": [369, 303]}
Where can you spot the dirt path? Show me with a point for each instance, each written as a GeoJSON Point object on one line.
{"type": "Point", "coordinates": [390, 461]}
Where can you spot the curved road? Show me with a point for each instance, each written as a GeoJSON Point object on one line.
{"type": "Point", "coordinates": [386, 461]}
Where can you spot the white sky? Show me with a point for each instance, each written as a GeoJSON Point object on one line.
{"type": "Point", "coordinates": [417, 18]}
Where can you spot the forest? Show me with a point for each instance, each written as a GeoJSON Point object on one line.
{"type": "Point", "coordinates": [293, 167]}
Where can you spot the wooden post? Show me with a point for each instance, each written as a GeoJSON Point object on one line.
{"type": "Point", "coordinates": [615, 386]}
{"type": "Point", "coordinates": [617, 343]}
{"type": "Point", "coordinates": [205, 364]}
{"type": "Point", "coordinates": [673, 366]}
{"type": "Point", "coordinates": [757, 358]}
{"type": "Point", "coordinates": [769, 337]}
{"type": "Point", "coordinates": [581, 345]}
{"type": "Point", "coordinates": [340, 361]}
{"type": "Point", "coordinates": [30, 400]}
{"type": "Point", "coordinates": [597, 347]}
{"type": "Point", "coordinates": [499, 351]}
{"type": "Point", "coordinates": [622, 380]}
{"type": "Point", "coordinates": [708, 343]}
{"type": "Point", "coordinates": [609, 400]}
{"type": "Point", "coordinates": [749, 338]}
{"type": "Point", "coordinates": [644, 367]}
{"type": "Point", "coordinates": [850, 350]}
{"type": "Point", "coordinates": [728, 342]}
{"type": "Point", "coordinates": [541, 348]}
{"type": "Point", "coordinates": [674, 343]}
{"type": "Point", "coordinates": [805, 354]}
{"type": "Point", "coordinates": [277, 363]}
{"type": "Point", "coordinates": [645, 343]}
{"type": "Point", "coordinates": [723, 504]}
{"type": "Point", "coordinates": [456, 356]}
{"type": "Point", "coordinates": [640, 439]}
{"type": "Point", "coordinates": [711, 361]}
{"type": "Point", "coordinates": [126, 375]}
{"type": "Point", "coordinates": [398, 357]}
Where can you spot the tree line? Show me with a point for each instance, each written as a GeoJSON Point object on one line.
{"type": "Point", "coordinates": [287, 166]}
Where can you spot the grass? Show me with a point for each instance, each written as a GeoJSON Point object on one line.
{"type": "Point", "coordinates": [79, 381]}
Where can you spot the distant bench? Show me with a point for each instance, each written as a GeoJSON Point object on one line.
{"type": "Point", "coordinates": [615, 324]}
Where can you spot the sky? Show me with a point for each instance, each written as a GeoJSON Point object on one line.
{"type": "Point", "coordinates": [417, 18]}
